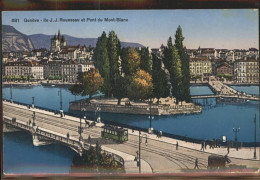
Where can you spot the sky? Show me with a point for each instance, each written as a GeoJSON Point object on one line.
{"type": "Point", "coordinates": [230, 29]}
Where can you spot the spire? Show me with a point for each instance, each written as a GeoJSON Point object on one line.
{"type": "Point", "coordinates": [59, 36]}
{"type": "Point", "coordinates": [62, 39]}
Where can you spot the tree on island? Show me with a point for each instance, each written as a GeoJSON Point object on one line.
{"type": "Point", "coordinates": [120, 87]}
{"type": "Point", "coordinates": [185, 92]}
{"type": "Point", "coordinates": [93, 160]}
{"type": "Point", "coordinates": [130, 61]}
{"type": "Point", "coordinates": [141, 86]}
{"type": "Point", "coordinates": [161, 88]}
{"type": "Point", "coordinates": [101, 62]}
{"type": "Point", "coordinates": [172, 63]}
{"type": "Point", "coordinates": [113, 47]}
{"type": "Point", "coordinates": [89, 84]}
{"type": "Point", "coordinates": [146, 60]}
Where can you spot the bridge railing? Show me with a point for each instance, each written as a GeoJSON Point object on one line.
{"type": "Point", "coordinates": [60, 138]}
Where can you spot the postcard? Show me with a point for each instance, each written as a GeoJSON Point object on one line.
{"type": "Point", "coordinates": [130, 92]}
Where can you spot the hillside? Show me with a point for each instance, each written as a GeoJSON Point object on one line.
{"type": "Point", "coordinates": [14, 40]}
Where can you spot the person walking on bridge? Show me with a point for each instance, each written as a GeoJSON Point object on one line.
{"type": "Point", "coordinates": [196, 164]}
{"type": "Point", "coordinates": [202, 146]}
{"type": "Point", "coordinates": [177, 145]}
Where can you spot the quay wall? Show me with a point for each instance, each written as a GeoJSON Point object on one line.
{"type": "Point", "coordinates": [134, 109]}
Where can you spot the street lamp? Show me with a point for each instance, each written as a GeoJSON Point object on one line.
{"type": "Point", "coordinates": [150, 130]}
{"type": "Point", "coordinates": [255, 138]}
{"type": "Point", "coordinates": [138, 153]}
{"type": "Point", "coordinates": [60, 94]}
{"type": "Point", "coordinates": [236, 130]}
{"type": "Point", "coordinates": [33, 102]}
{"type": "Point", "coordinates": [34, 117]}
{"type": "Point", "coordinates": [11, 93]}
{"type": "Point", "coordinates": [98, 119]}
{"type": "Point", "coordinates": [80, 129]}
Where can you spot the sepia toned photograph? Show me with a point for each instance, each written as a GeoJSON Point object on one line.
{"type": "Point", "coordinates": [130, 92]}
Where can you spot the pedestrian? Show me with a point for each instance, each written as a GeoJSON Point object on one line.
{"type": "Point", "coordinates": [196, 164]}
{"type": "Point", "coordinates": [89, 138]}
{"type": "Point", "coordinates": [205, 144]}
{"type": "Point", "coordinates": [30, 122]}
{"type": "Point", "coordinates": [228, 149]}
{"type": "Point", "coordinates": [177, 145]}
{"type": "Point", "coordinates": [202, 146]}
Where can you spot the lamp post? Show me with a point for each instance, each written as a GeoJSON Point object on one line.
{"type": "Point", "coordinates": [98, 119]}
{"type": "Point", "coordinates": [150, 130]}
{"type": "Point", "coordinates": [60, 94]}
{"type": "Point", "coordinates": [34, 117]}
{"type": "Point", "coordinates": [33, 102]}
{"type": "Point", "coordinates": [80, 129]}
{"type": "Point", "coordinates": [255, 138]}
{"type": "Point", "coordinates": [11, 93]}
{"type": "Point", "coordinates": [138, 153]}
{"type": "Point", "coordinates": [236, 130]}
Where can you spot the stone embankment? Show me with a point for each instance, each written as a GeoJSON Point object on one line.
{"type": "Point", "coordinates": [167, 106]}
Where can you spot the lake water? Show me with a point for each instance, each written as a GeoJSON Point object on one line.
{"type": "Point", "coordinates": [216, 120]}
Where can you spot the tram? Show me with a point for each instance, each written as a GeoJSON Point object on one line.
{"type": "Point", "coordinates": [114, 133]}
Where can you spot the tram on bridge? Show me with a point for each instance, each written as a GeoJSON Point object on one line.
{"type": "Point", "coordinates": [114, 133]}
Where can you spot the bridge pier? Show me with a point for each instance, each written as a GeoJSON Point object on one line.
{"type": "Point", "coordinates": [8, 128]}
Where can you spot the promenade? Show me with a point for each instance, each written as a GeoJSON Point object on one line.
{"type": "Point", "coordinates": [159, 155]}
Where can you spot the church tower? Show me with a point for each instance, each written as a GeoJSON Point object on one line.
{"type": "Point", "coordinates": [57, 42]}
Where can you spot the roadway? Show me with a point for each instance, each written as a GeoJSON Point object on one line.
{"type": "Point", "coordinates": [161, 156]}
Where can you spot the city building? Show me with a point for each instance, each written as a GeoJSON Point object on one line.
{"type": "Point", "coordinates": [69, 71]}
{"type": "Point", "coordinates": [246, 70]}
{"type": "Point", "coordinates": [24, 68]}
{"type": "Point", "coordinates": [225, 68]}
{"type": "Point", "coordinates": [200, 66]}
{"type": "Point", "coordinates": [84, 67]}
{"type": "Point", "coordinates": [52, 69]}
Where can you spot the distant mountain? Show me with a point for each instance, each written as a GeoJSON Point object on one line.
{"type": "Point", "coordinates": [13, 40]}
{"type": "Point", "coordinates": [44, 41]}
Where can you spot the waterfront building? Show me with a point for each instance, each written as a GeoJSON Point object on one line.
{"type": "Point", "coordinates": [252, 70]}
{"type": "Point", "coordinates": [52, 69]}
{"type": "Point", "coordinates": [200, 66]}
{"type": "Point", "coordinates": [84, 67]}
{"type": "Point", "coordinates": [225, 68]}
{"type": "Point", "coordinates": [69, 70]}
{"type": "Point", "coordinates": [24, 68]}
{"type": "Point", "coordinates": [246, 70]}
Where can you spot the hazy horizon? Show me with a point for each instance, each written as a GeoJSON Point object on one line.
{"type": "Point", "coordinates": [220, 29]}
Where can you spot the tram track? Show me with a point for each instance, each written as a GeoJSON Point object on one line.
{"type": "Point", "coordinates": [180, 159]}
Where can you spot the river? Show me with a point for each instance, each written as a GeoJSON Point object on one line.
{"type": "Point", "coordinates": [216, 120]}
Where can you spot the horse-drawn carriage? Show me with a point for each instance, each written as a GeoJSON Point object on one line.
{"type": "Point", "coordinates": [216, 161]}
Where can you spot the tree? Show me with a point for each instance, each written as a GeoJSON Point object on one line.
{"type": "Point", "coordinates": [89, 84]}
{"type": "Point", "coordinates": [76, 89]}
{"type": "Point", "coordinates": [146, 60]}
{"type": "Point", "coordinates": [141, 86]}
{"type": "Point", "coordinates": [176, 75]}
{"type": "Point", "coordinates": [120, 87]}
{"type": "Point", "coordinates": [92, 82]}
{"type": "Point", "coordinates": [160, 82]}
{"type": "Point", "coordinates": [113, 46]}
{"type": "Point", "coordinates": [185, 95]}
{"type": "Point", "coordinates": [130, 61]}
{"type": "Point", "coordinates": [101, 62]}
{"type": "Point", "coordinates": [93, 160]}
